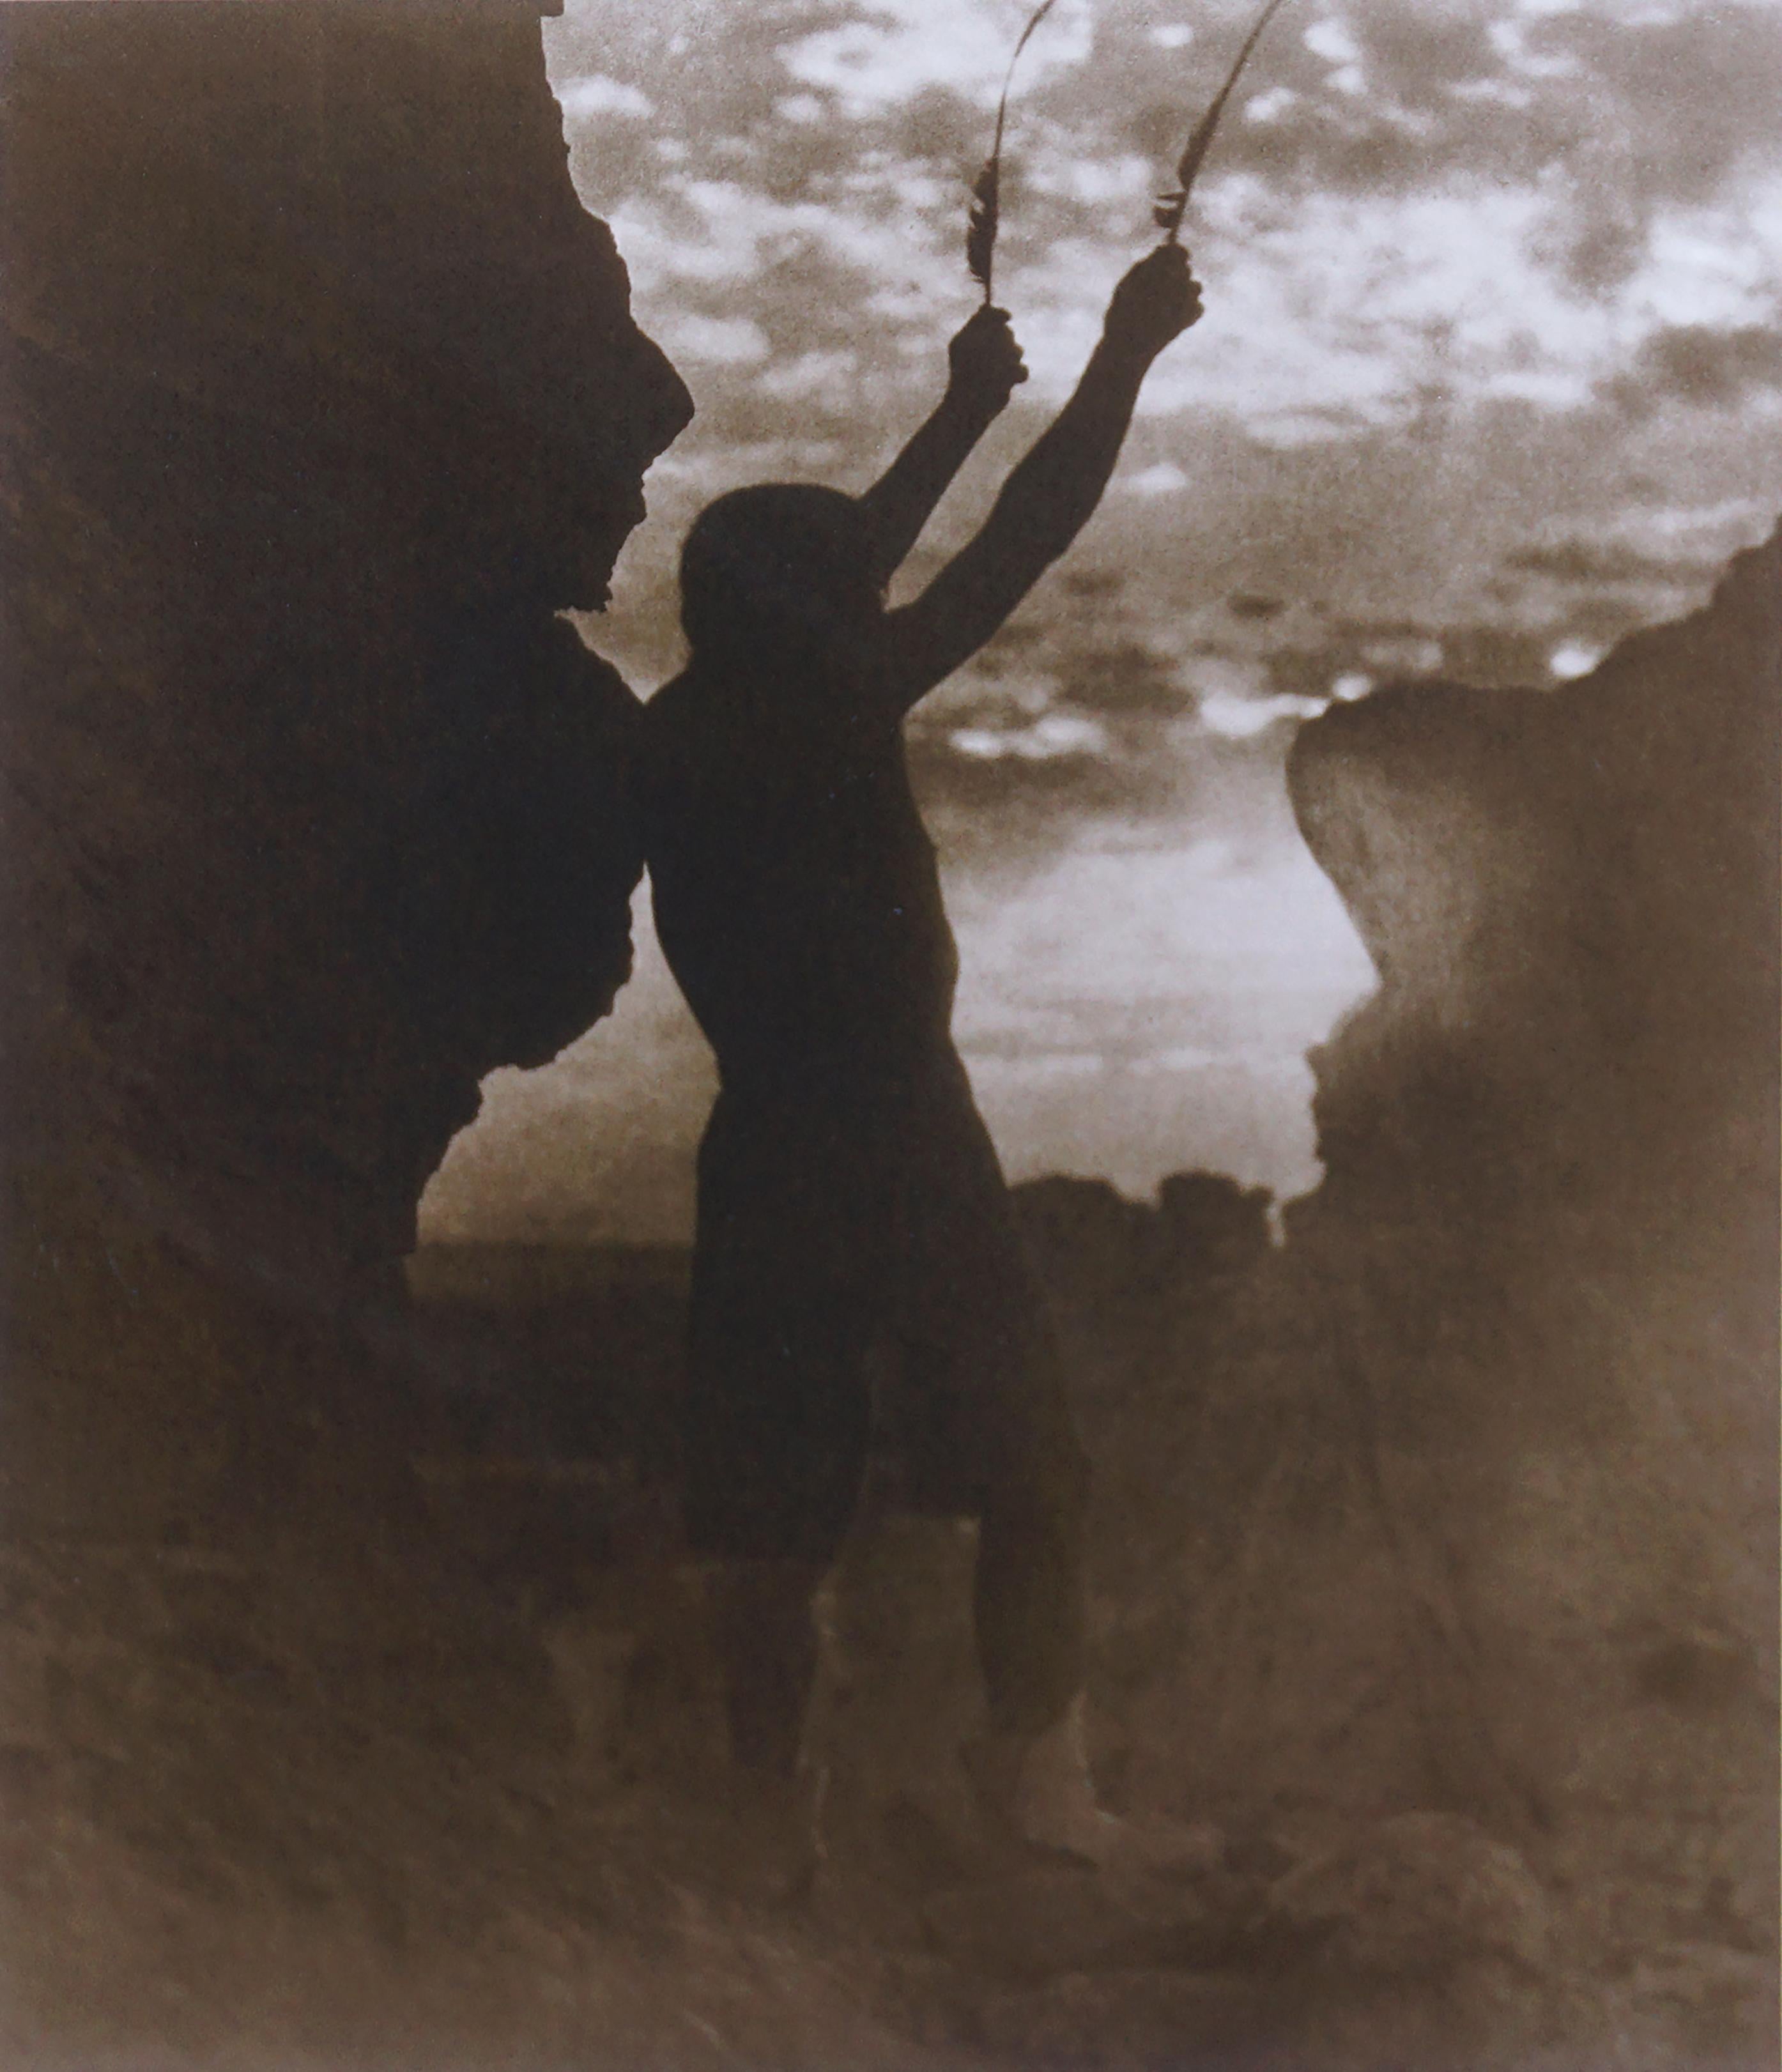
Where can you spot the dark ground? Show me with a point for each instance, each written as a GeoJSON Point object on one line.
{"type": "Point", "coordinates": [220, 1855]}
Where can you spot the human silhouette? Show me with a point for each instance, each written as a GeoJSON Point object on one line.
{"type": "Point", "coordinates": [849, 1197]}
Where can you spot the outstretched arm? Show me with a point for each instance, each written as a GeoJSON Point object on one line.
{"type": "Point", "coordinates": [984, 368]}
{"type": "Point", "coordinates": [1047, 500]}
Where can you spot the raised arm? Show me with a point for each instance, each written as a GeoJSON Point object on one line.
{"type": "Point", "coordinates": [1047, 500]}
{"type": "Point", "coordinates": [984, 366]}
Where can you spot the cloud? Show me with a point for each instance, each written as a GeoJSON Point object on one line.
{"type": "Point", "coordinates": [1052, 736]}
{"type": "Point", "coordinates": [1239, 719]}
{"type": "Point", "coordinates": [1489, 219]}
{"type": "Point", "coordinates": [1163, 478]}
{"type": "Point", "coordinates": [1603, 563]}
{"type": "Point", "coordinates": [1497, 656]}
{"type": "Point", "coordinates": [715, 341]}
{"type": "Point", "coordinates": [830, 379]}
{"type": "Point", "coordinates": [1001, 798]}
{"type": "Point", "coordinates": [1663, 106]}
{"type": "Point", "coordinates": [1573, 658]}
{"type": "Point", "coordinates": [1125, 678]}
{"type": "Point", "coordinates": [892, 53]}
{"type": "Point", "coordinates": [1698, 365]}
{"type": "Point", "coordinates": [594, 95]}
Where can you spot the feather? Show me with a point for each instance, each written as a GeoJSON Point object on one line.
{"type": "Point", "coordinates": [1172, 208]}
{"type": "Point", "coordinates": [986, 190]}
{"type": "Point", "coordinates": [980, 229]}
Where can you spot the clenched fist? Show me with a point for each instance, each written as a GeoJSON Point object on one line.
{"type": "Point", "coordinates": [1156, 301]}
{"type": "Point", "coordinates": [985, 362]}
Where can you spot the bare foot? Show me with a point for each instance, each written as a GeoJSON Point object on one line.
{"type": "Point", "coordinates": [1040, 1787]}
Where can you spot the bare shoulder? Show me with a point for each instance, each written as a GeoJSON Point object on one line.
{"type": "Point", "coordinates": [683, 743]}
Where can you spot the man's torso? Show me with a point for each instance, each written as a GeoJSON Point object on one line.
{"type": "Point", "coordinates": [795, 890]}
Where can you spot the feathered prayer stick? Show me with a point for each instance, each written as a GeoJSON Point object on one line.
{"type": "Point", "coordinates": [1172, 208]}
{"type": "Point", "coordinates": [986, 189]}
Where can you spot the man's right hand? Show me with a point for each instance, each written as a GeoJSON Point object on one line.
{"type": "Point", "coordinates": [985, 363]}
{"type": "Point", "coordinates": [1156, 301]}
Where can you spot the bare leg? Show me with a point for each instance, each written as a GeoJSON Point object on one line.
{"type": "Point", "coordinates": [766, 1642]}
{"type": "Point", "coordinates": [767, 1647]}
{"type": "Point", "coordinates": [1032, 1771]}
{"type": "Point", "coordinates": [1028, 1597]}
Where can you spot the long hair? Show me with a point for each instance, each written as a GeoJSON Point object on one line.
{"type": "Point", "coordinates": [783, 566]}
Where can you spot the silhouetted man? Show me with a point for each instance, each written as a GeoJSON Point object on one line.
{"type": "Point", "coordinates": [848, 1193]}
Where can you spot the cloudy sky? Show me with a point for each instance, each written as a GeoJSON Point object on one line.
{"type": "Point", "coordinates": [1490, 373]}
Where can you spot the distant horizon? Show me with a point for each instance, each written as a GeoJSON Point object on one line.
{"type": "Point", "coordinates": [565, 1238]}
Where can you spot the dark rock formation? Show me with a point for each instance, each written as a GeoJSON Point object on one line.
{"type": "Point", "coordinates": [1479, 1515]}
{"type": "Point", "coordinates": [1549, 1231]}
{"type": "Point", "coordinates": [1421, 1893]}
{"type": "Point", "coordinates": [1569, 897]}
{"type": "Point", "coordinates": [322, 398]}
{"type": "Point", "coordinates": [1136, 1290]}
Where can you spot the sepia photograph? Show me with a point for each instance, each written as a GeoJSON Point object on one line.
{"type": "Point", "coordinates": [892, 1036]}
